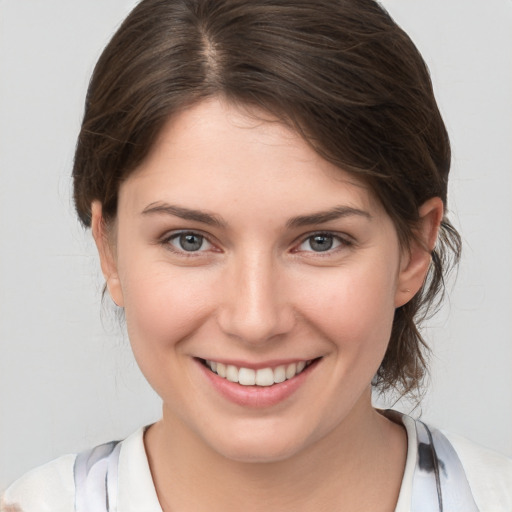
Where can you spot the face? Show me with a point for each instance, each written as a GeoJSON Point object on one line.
{"type": "Point", "coordinates": [241, 255]}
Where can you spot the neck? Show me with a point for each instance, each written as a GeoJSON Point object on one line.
{"type": "Point", "coordinates": [330, 474]}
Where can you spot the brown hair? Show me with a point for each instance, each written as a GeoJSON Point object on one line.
{"type": "Point", "coordinates": [340, 72]}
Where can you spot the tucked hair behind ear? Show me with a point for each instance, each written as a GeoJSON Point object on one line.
{"type": "Point", "coordinates": [339, 72]}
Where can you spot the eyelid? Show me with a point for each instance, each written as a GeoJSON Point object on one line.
{"type": "Point", "coordinates": [344, 239]}
{"type": "Point", "coordinates": [166, 239]}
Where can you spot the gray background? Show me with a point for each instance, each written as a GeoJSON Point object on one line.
{"type": "Point", "coordinates": [67, 378]}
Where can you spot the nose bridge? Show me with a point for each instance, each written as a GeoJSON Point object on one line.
{"type": "Point", "coordinates": [255, 306]}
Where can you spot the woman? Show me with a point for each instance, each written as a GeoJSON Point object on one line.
{"type": "Point", "coordinates": [266, 185]}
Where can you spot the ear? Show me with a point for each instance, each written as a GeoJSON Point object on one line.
{"type": "Point", "coordinates": [416, 261]}
{"type": "Point", "coordinates": [106, 254]}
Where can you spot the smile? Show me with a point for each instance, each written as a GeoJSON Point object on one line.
{"type": "Point", "coordinates": [264, 377]}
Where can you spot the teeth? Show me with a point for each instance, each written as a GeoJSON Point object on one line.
{"type": "Point", "coordinates": [232, 373]}
{"type": "Point", "coordinates": [279, 374]}
{"type": "Point", "coordinates": [262, 377]}
{"type": "Point", "coordinates": [265, 377]}
{"type": "Point", "coordinates": [291, 370]}
{"type": "Point", "coordinates": [247, 377]}
{"type": "Point", "coordinates": [221, 370]}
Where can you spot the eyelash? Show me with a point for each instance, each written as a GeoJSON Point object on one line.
{"type": "Point", "coordinates": [341, 241]}
{"type": "Point", "coordinates": [168, 239]}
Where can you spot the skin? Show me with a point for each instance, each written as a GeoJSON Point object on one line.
{"type": "Point", "coordinates": [257, 291]}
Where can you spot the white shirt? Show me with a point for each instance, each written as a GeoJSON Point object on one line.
{"type": "Point", "coordinates": [52, 487]}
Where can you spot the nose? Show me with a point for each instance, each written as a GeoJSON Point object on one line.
{"type": "Point", "coordinates": [255, 305]}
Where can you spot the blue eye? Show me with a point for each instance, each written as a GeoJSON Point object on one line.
{"type": "Point", "coordinates": [189, 242]}
{"type": "Point", "coordinates": [321, 242]}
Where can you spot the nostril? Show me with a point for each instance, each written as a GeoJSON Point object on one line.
{"type": "Point", "coordinates": [256, 325]}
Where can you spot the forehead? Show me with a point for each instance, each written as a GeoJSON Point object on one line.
{"type": "Point", "coordinates": [217, 155]}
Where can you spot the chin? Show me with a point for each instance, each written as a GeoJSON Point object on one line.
{"type": "Point", "coordinates": [260, 445]}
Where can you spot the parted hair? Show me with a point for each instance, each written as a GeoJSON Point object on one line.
{"type": "Point", "coordinates": [341, 73]}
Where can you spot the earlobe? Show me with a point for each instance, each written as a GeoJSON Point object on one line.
{"type": "Point", "coordinates": [417, 260]}
{"type": "Point", "coordinates": [106, 254]}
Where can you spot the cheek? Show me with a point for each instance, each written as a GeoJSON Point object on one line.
{"type": "Point", "coordinates": [163, 306]}
{"type": "Point", "coordinates": [342, 302]}
{"type": "Point", "coordinates": [354, 311]}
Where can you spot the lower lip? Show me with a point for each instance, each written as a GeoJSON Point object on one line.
{"type": "Point", "coordinates": [257, 396]}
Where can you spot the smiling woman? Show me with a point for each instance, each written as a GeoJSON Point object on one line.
{"type": "Point", "coordinates": [266, 184]}
{"type": "Point", "coordinates": [249, 289]}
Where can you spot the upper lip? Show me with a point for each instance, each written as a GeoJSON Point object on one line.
{"type": "Point", "coordinates": [260, 364]}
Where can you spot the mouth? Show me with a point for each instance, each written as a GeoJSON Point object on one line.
{"type": "Point", "coordinates": [263, 377]}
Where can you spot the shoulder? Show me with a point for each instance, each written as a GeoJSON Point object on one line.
{"type": "Point", "coordinates": [51, 488]}
{"type": "Point", "coordinates": [489, 474]}
{"type": "Point", "coordinates": [47, 488]}
{"type": "Point", "coordinates": [463, 467]}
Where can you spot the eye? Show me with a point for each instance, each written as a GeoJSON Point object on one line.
{"type": "Point", "coordinates": [322, 242]}
{"type": "Point", "coordinates": [188, 241]}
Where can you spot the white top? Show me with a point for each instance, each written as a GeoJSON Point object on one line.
{"type": "Point", "coordinates": [52, 487]}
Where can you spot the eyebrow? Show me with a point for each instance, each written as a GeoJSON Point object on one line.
{"type": "Point", "coordinates": [185, 213]}
{"type": "Point", "coordinates": [214, 220]}
{"type": "Point", "coordinates": [326, 216]}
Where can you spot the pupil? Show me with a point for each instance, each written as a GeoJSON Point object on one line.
{"type": "Point", "coordinates": [191, 242]}
{"type": "Point", "coordinates": [321, 243]}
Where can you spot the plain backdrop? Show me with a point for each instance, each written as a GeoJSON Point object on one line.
{"type": "Point", "coordinates": [67, 377]}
